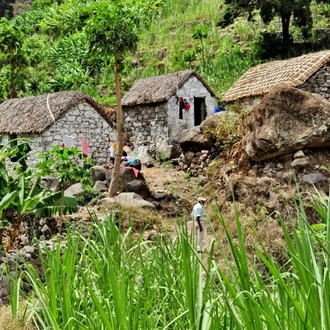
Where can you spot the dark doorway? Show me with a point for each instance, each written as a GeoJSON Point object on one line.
{"type": "Point", "coordinates": [199, 110]}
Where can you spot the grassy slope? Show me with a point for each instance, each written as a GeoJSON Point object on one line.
{"type": "Point", "coordinates": [168, 45]}
{"type": "Point", "coordinates": [221, 57]}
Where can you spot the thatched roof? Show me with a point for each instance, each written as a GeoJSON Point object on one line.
{"type": "Point", "coordinates": [34, 114]}
{"type": "Point", "coordinates": [260, 79]}
{"type": "Point", "coordinates": [160, 88]}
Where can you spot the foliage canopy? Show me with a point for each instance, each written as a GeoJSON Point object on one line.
{"type": "Point", "coordinates": [299, 10]}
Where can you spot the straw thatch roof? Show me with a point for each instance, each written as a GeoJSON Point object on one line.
{"type": "Point", "coordinates": [160, 88]}
{"type": "Point", "coordinates": [34, 114]}
{"type": "Point", "coordinates": [260, 79]}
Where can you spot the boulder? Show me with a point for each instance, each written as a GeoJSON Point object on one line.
{"type": "Point", "coordinates": [194, 140]}
{"type": "Point", "coordinates": [133, 200]}
{"type": "Point", "coordinates": [220, 119]}
{"type": "Point", "coordinates": [74, 190]}
{"type": "Point", "coordinates": [97, 173]}
{"type": "Point", "coordinates": [168, 151]}
{"type": "Point", "coordinates": [100, 186]}
{"type": "Point", "coordinates": [139, 187]}
{"type": "Point", "coordinates": [313, 178]}
{"type": "Point", "coordinates": [107, 201]}
{"type": "Point", "coordinates": [286, 120]}
{"type": "Point", "coordinates": [126, 175]}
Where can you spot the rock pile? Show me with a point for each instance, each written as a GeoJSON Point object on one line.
{"type": "Point", "coordinates": [14, 261]}
{"type": "Point", "coordinates": [195, 163]}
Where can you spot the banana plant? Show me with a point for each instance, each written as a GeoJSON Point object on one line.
{"type": "Point", "coordinates": [4, 204]}
{"type": "Point", "coordinates": [21, 190]}
{"type": "Point", "coordinates": [33, 199]}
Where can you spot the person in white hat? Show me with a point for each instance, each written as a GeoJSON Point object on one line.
{"type": "Point", "coordinates": [199, 220]}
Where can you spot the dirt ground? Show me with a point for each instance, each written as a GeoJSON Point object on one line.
{"type": "Point", "coordinates": [257, 197]}
{"type": "Point", "coordinates": [162, 177]}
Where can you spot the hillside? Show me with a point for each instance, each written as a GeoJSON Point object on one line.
{"type": "Point", "coordinates": [174, 39]}
{"type": "Point", "coordinates": [175, 35]}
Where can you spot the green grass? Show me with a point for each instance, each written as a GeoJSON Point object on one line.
{"type": "Point", "coordinates": [115, 280]}
{"type": "Point", "coordinates": [225, 60]}
{"type": "Point", "coordinates": [110, 281]}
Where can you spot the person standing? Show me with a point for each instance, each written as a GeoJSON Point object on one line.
{"type": "Point", "coordinates": [112, 152]}
{"type": "Point", "coordinates": [199, 222]}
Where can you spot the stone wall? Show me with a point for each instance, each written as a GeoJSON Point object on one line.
{"type": "Point", "coordinates": [319, 82]}
{"type": "Point", "coordinates": [26, 252]}
{"type": "Point", "coordinates": [196, 163]}
{"type": "Point", "coordinates": [147, 129]}
{"type": "Point", "coordinates": [11, 264]}
{"type": "Point", "coordinates": [82, 121]}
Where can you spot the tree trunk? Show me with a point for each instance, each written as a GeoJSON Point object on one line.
{"type": "Point", "coordinates": [120, 132]}
{"type": "Point", "coordinates": [12, 72]}
{"type": "Point", "coordinates": [285, 17]}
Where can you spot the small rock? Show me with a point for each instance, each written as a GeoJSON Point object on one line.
{"type": "Point", "coordinates": [298, 154]}
{"type": "Point", "coordinates": [159, 194]}
{"type": "Point", "coordinates": [299, 163]}
{"type": "Point", "coordinates": [313, 178]}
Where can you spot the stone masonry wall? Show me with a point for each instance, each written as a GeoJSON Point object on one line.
{"type": "Point", "coordinates": [147, 128]}
{"type": "Point", "coordinates": [319, 82]}
{"type": "Point", "coordinates": [82, 121]}
{"type": "Point", "coordinates": [191, 89]}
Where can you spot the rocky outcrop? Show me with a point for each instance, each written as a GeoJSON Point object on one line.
{"type": "Point", "coordinates": [194, 140]}
{"type": "Point", "coordinates": [133, 200]}
{"type": "Point", "coordinates": [286, 120]}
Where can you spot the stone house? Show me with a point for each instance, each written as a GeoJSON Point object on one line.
{"type": "Point", "coordinates": [157, 109]}
{"type": "Point", "coordinates": [48, 119]}
{"type": "Point", "coordinates": [310, 72]}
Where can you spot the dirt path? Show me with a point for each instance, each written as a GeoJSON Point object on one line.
{"type": "Point", "coordinates": [160, 177]}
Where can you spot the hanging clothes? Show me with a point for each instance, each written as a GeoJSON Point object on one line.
{"type": "Point", "coordinates": [186, 105]}
{"type": "Point", "coordinates": [85, 147]}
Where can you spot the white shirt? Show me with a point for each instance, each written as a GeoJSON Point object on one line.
{"type": "Point", "coordinates": [112, 152]}
{"type": "Point", "coordinates": [198, 211]}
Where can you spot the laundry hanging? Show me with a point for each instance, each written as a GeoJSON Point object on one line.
{"type": "Point", "coordinates": [186, 105]}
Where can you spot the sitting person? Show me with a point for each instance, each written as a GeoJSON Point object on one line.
{"type": "Point", "coordinates": [136, 163]}
{"type": "Point", "coordinates": [124, 161]}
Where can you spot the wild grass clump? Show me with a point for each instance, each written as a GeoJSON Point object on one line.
{"type": "Point", "coordinates": [110, 280]}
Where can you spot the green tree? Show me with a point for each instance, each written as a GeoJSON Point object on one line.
{"type": "Point", "coordinates": [297, 11]}
{"type": "Point", "coordinates": [112, 28]}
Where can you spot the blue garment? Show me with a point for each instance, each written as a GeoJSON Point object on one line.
{"type": "Point", "coordinates": [134, 162]}
{"type": "Point", "coordinates": [217, 109]}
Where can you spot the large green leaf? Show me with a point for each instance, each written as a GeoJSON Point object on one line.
{"type": "Point", "coordinates": [52, 204]}
{"type": "Point", "coordinates": [7, 200]}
